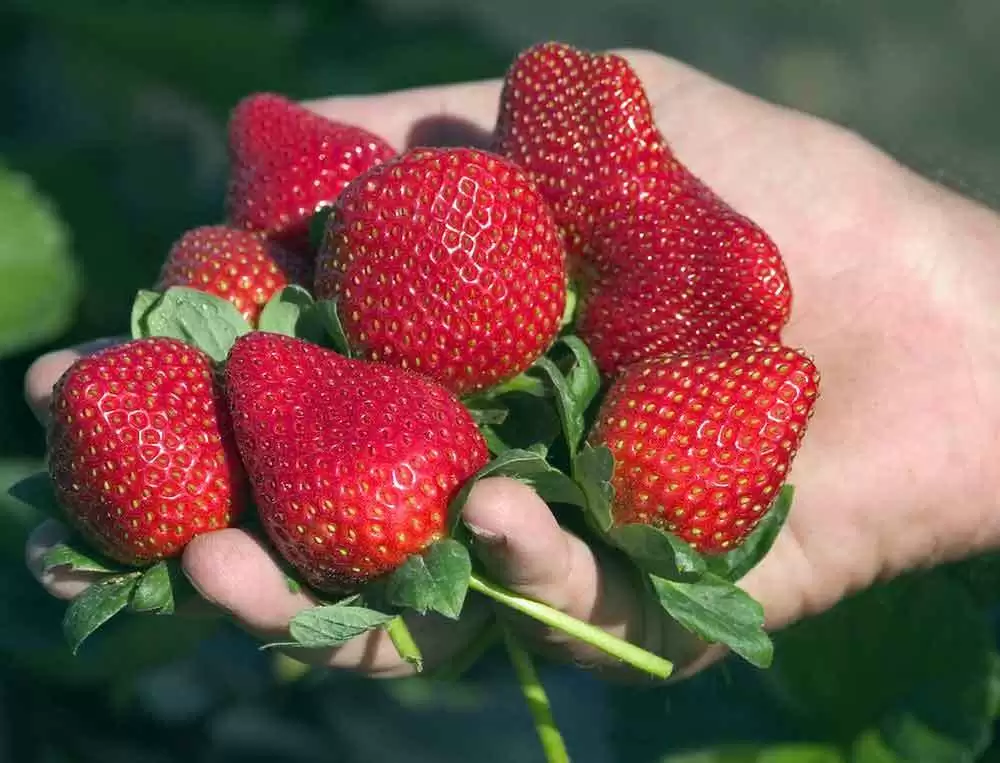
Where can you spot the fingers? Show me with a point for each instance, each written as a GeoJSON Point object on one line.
{"type": "Point", "coordinates": [46, 371]}
{"type": "Point", "coordinates": [236, 572]}
{"type": "Point", "coordinates": [525, 549]}
{"type": "Point", "coordinates": [60, 582]}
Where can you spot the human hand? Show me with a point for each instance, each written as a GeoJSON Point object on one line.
{"type": "Point", "coordinates": [894, 281]}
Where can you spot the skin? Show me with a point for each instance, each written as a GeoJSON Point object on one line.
{"type": "Point", "coordinates": [895, 282]}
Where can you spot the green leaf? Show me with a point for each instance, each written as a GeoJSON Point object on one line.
{"type": "Point", "coordinates": [327, 316]}
{"type": "Point", "coordinates": [283, 312]}
{"type": "Point", "coordinates": [155, 590]}
{"type": "Point", "coordinates": [531, 421]}
{"type": "Point", "coordinates": [575, 390]}
{"type": "Point", "coordinates": [657, 551]}
{"type": "Point", "coordinates": [75, 554]}
{"type": "Point", "coordinates": [203, 320]}
{"type": "Point", "coordinates": [592, 471]}
{"type": "Point", "coordinates": [141, 305]}
{"type": "Point", "coordinates": [39, 281]}
{"type": "Point", "coordinates": [37, 492]}
{"type": "Point", "coordinates": [911, 658]}
{"type": "Point", "coordinates": [779, 753]}
{"type": "Point", "coordinates": [523, 383]}
{"type": "Point", "coordinates": [95, 606]}
{"type": "Point", "coordinates": [317, 226]}
{"type": "Point", "coordinates": [486, 412]}
{"type": "Point", "coordinates": [334, 625]}
{"type": "Point", "coordinates": [738, 562]}
{"type": "Point", "coordinates": [436, 580]}
{"type": "Point", "coordinates": [716, 610]}
{"type": "Point", "coordinates": [529, 467]}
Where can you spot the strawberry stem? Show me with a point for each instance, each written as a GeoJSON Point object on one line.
{"type": "Point", "coordinates": [402, 639]}
{"type": "Point", "coordinates": [537, 700]}
{"type": "Point", "coordinates": [620, 649]}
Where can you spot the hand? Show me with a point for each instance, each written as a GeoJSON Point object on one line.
{"type": "Point", "coordinates": [895, 283]}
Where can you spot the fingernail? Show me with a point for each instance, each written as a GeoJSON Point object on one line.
{"type": "Point", "coordinates": [484, 536]}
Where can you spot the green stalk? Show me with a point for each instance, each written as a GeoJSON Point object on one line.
{"type": "Point", "coordinates": [402, 639]}
{"type": "Point", "coordinates": [620, 649]}
{"type": "Point", "coordinates": [537, 700]}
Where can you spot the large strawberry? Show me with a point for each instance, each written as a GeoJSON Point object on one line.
{"type": "Point", "coordinates": [141, 453]}
{"type": "Point", "coordinates": [447, 262]}
{"type": "Point", "coordinates": [668, 266]}
{"type": "Point", "coordinates": [287, 162]}
{"type": "Point", "coordinates": [237, 265]}
{"type": "Point", "coordinates": [703, 443]}
{"type": "Point", "coordinates": [352, 464]}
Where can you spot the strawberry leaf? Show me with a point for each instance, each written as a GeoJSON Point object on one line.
{"type": "Point", "coordinates": [75, 555]}
{"type": "Point", "coordinates": [283, 312]}
{"type": "Point", "coordinates": [143, 303]}
{"type": "Point", "coordinates": [486, 412]}
{"type": "Point", "coordinates": [37, 492]}
{"type": "Point", "coordinates": [317, 226]}
{"type": "Point", "coordinates": [203, 320]}
{"type": "Point", "coordinates": [333, 625]}
{"type": "Point", "coordinates": [436, 580]}
{"type": "Point", "coordinates": [592, 471]}
{"type": "Point", "coordinates": [738, 562]}
{"type": "Point", "coordinates": [155, 590]}
{"type": "Point", "coordinates": [716, 610]}
{"type": "Point", "coordinates": [656, 551]}
{"type": "Point", "coordinates": [529, 467]}
{"type": "Point", "coordinates": [575, 389]}
{"type": "Point", "coordinates": [328, 317]}
{"type": "Point", "coordinates": [95, 606]}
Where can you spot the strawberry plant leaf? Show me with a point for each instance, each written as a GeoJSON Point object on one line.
{"type": "Point", "coordinates": [529, 467]}
{"type": "Point", "coordinates": [329, 318]}
{"type": "Point", "coordinates": [738, 562]}
{"type": "Point", "coordinates": [37, 492]}
{"type": "Point", "coordinates": [575, 390]}
{"type": "Point", "coordinates": [436, 580]}
{"type": "Point", "coordinates": [143, 303]}
{"type": "Point", "coordinates": [75, 555]}
{"type": "Point", "coordinates": [523, 383]}
{"type": "Point", "coordinates": [486, 412]}
{"type": "Point", "coordinates": [530, 422]}
{"type": "Point", "coordinates": [39, 282]}
{"type": "Point", "coordinates": [317, 226]}
{"type": "Point", "coordinates": [95, 606]}
{"type": "Point", "coordinates": [203, 320]}
{"type": "Point", "coordinates": [716, 610]}
{"type": "Point", "coordinates": [155, 591]}
{"type": "Point", "coordinates": [333, 625]}
{"type": "Point", "coordinates": [283, 312]}
{"type": "Point", "coordinates": [657, 551]}
{"type": "Point", "coordinates": [592, 471]}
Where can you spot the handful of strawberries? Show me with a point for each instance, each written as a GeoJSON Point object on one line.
{"type": "Point", "coordinates": [370, 332]}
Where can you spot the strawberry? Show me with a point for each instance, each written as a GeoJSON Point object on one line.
{"type": "Point", "coordinates": [352, 464]}
{"type": "Point", "coordinates": [667, 265]}
{"type": "Point", "coordinates": [240, 266]}
{"type": "Point", "coordinates": [447, 262]}
{"type": "Point", "coordinates": [287, 162]}
{"type": "Point", "coordinates": [141, 453]}
{"type": "Point", "coordinates": [702, 443]}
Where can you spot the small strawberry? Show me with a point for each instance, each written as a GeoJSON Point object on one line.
{"type": "Point", "coordinates": [668, 266]}
{"type": "Point", "coordinates": [352, 464]}
{"type": "Point", "coordinates": [447, 262]}
{"type": "Point", "coordinates": [237, 265]}
{"type": "Point", "coordinates": [141, 453]}
{"type": "Point", "coordinates": [703, 443]}
{"type": "Point", "coordinates": [287, 162]}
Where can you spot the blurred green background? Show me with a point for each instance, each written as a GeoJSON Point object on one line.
{"type": "Point", "coordinates": [112, 143]}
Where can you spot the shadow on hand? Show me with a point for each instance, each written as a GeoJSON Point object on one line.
{"type": "Point", "coordinates": [447, 131]}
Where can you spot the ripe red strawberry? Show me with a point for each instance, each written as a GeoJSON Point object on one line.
{"type": "Point", "coordinates": [447, 262]}
{"type": "Point", "coordinates": [669, 266]}
{"type": "Point", "coordinates": [703, 443]}
{"type": "Point", "coordinates": [141, 453]}
{"type": "Point", "coordinates": [242, 267]}
{"type": "Point", "coordinates": [352, 464]}
{"type": "Point", "coordinates": [287, 162]}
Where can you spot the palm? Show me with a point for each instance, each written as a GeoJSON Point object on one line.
{"type": "Point", "coordinates": [892, 288]}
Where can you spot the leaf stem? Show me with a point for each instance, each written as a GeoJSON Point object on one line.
{"type": "Point", "coordinates": [402, 639]}
{"type": "Point", "coordinates": [620, 649]}
{"type": "Point", "coordinates": [537, 700]}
